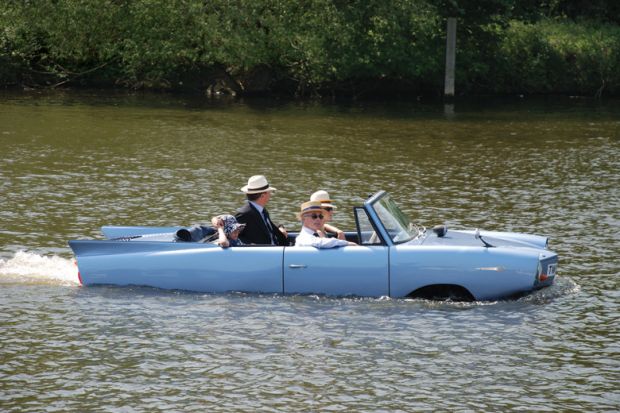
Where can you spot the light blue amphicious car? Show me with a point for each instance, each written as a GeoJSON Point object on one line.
{"type": "Point", "coordinates": [394, 258]}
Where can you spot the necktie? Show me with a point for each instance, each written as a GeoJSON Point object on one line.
{"type": "Point", "coordinates": [266, 218]}
{"type": "Point", "coordinates": [268, 225]}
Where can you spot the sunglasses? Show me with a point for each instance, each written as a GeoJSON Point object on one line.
{"type": "Point", "coordinates": [315, 216]}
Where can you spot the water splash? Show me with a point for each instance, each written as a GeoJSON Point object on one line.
{"type": "Point", "coordinates": [29, 268]}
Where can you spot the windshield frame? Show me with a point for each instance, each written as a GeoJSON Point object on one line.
{"type": "Point", "coordinates": [395, 225]}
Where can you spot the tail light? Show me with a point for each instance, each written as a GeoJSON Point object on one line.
{"type": "Point", "coordinates": [79, 275]}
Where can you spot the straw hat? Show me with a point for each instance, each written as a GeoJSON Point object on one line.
{"type": "Point", "coordinates": [257, 184]}
{"type": "Point", "coordinates": [323, 197]}
{"type": "Point", "coordinates": [311, 206]}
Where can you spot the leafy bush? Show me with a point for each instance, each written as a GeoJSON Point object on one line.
{"type": "Point", "coordinates": [559, 57]}
{"type": "Point", "coordinates": [309, 47]}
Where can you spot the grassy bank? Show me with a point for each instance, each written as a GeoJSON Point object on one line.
{"type": "Point", "coordinates": [320, 47]}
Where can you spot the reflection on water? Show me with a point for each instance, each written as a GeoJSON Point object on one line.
{"type": "Point", "coordinates": [71, 163]}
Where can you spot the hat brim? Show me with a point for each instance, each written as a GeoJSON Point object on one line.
{"type": "Point", "coordinates": [247, 190]}
{"type": "Point", "coordinates": [237, 227]}
{"type": "Point", "coordinates": [327, 205]}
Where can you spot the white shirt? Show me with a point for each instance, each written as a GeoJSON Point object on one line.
{"type": "Point", "coordinates": [307, 239]}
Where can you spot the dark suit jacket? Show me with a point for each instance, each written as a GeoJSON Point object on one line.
{"type": "Point", "coordinates": [256, 232]}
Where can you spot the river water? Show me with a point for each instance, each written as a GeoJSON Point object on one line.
{"type": "Point", "coordinates": [74, 161]}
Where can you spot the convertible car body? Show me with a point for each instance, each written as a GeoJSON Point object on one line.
{"type": "Point", "coordinates": [394, 258]}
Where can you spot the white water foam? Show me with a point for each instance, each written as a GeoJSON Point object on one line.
{"type": "Point", "coordinates": [30, 268]}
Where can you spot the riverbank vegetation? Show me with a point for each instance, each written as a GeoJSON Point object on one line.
{"type": "Point", "coordinates": [355, 48]}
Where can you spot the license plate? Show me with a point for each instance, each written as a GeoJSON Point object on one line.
{"type": "Point", "coordinates": [551, 270]}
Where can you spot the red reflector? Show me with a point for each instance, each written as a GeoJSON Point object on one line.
{"type": "Point", "coordinates": [79, 275]}
{"type": "Point", "coordinates": [542, 277]}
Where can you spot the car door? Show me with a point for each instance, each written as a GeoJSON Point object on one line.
{"type": "Point", "coordinates": [352, 270]}
{"type": "Point", "coordinates": [246, 268]}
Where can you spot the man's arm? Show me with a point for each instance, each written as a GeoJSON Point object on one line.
{"type": "Point", "coordinates": [317, 242]}
{"type": "Point", "coordinates": [334, 230]}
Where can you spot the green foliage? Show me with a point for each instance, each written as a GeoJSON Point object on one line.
{"type": "Point", "coordinates": [53, 40]}
{"type": "Point", "coordinates": [323, 43]}
{"type": "Point", "coordinates": [560, 57]}
{"type": "Point", "coordinates": [310, 47]}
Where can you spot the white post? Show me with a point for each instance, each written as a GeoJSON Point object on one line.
{"type": "Point", "coordinates": [450, 57]}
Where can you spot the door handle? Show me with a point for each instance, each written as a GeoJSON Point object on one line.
{"type": "Point", "coordinates": [297, 266]}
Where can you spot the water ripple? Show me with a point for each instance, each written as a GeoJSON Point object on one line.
{"type": "Point", "coordinates": [70, 165]}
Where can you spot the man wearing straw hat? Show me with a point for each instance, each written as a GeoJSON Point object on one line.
{"type": "Point", "coordinates": [329, 208]}
{"type": "Point", "coordinates": [259, 229]}
{"type": "Point", "coordinates": [312, 215]}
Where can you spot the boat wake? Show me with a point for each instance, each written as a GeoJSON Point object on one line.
{"type": "Point", "coordinates": [29, 268]}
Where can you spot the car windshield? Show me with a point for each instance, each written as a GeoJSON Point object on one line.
{"type": "Point", "coordinates": [397, 224]}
